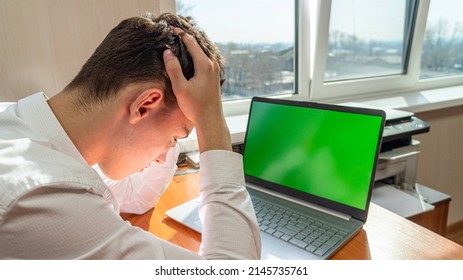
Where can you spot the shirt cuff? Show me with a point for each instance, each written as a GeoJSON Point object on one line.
{"type": "Point", "coordinates": [219, 167]}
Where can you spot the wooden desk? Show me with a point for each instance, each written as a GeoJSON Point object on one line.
{"type": "Point", "coordinates": [384, 236]}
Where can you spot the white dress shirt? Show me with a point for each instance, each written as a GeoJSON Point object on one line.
{"type": "Point", "coordinates": [54, 206]}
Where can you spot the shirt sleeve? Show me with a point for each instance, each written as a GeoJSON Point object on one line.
{"type": "Point", "coordinates": [230, 229]}
{"type": "Point", "coordinates": [140, 191]}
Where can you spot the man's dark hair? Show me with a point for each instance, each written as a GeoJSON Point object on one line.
{"type": "Point", "coordinates": [132, 52]}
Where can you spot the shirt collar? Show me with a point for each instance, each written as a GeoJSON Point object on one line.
{"type": "Point", "coordinates": [36, 111]}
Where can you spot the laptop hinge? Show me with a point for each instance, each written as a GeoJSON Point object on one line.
{"type": "Point", "coordinates": [301, 202]}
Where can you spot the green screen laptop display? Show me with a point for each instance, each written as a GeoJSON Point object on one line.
{"type": "Point", "coordinates": [325, 153]}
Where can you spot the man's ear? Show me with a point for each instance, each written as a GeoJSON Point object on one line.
{"type": "Point", "coordinates": [144, 104]}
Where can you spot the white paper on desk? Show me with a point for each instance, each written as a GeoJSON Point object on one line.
{"type": "Point", "coordinates": [399, 202]}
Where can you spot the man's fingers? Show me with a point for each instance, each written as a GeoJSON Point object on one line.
{"type": "Point", "coordinates": [174, 70]}
{"type": "Point", "coordinates": [196, 52]}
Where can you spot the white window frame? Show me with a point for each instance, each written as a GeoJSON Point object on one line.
{"type": "Point", "coordinates": [313, 22]}
{"type": "Point", "coordinates": [366, 86]}
{"type": "Point", "coordinates": [302, 55]}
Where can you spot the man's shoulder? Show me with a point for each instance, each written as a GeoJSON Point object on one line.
{"type": "Point", "coordinates": [38, 153]}
{"type": "Point", "coordinates": [26, 165]}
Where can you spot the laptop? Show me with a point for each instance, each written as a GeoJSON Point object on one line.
{"type": "Point", "coordinates": [309, 168]}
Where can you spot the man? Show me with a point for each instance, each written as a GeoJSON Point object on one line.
{"type": "Point", "coordinates": [148, 84]}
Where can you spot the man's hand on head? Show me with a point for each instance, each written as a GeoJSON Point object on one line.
{"type": "Point", "coordinates": [199, 97]}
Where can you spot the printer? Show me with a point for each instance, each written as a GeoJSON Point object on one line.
{"type": "Point", "coordinates": [398, 158]}
{"type": "Point", "coordinates": [396, 187]}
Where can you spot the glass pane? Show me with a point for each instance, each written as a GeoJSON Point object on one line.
{"type": "Point", "coordinates": [367, 39]}
{"type": "Point", "coordinates": [257, 39]}
{"type": "Point", "coordinates": [443, 40]}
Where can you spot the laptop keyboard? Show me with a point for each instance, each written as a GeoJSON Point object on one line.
{"type": "Point", "coordinates": [301, 231]}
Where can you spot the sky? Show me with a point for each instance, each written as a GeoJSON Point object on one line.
{"type": "Point", "coordinates": [452, 9]}
{"type": "Point", "coordinates": [371, 20]}
{"type": "Point", "coordinates": [250, 21]}
{"type": "Point", "coordinates": [257, 21]}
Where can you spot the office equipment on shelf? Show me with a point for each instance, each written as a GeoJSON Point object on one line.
{"type": "Point", "coordinates": [398, 161]}
{"type": "Point", "coordinates": [396, 187]}
{"type": "Point", "coordinates": [309, 200]}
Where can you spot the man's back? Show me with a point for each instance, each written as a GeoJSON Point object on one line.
{"type": "Point", "coordinates": [33, 158]}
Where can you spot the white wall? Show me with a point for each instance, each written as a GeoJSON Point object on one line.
{"type": "Point", "coordinates": [43, 43]}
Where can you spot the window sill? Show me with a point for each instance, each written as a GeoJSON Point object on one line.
{"type": "Point", "coordinates": [417, 101]}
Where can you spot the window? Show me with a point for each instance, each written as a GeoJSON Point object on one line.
{"type": "Point", "coordinates": [363, 46]}
{"type": "Point", "coordinates": [330, 50]}
{"type": "Point", "coordinates": [443, 40]}
{"type": "Point", "coordinates": [257, 39]}
{"type": "Point", "coordinates": [367, 39]}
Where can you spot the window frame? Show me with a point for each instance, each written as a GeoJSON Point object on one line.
{"type": "Point", "coordinates": [301, 63]}
{"type": "Point", "coordinates": [364, 86]}
{"type": "Point", "coordinates": [312, 19]}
